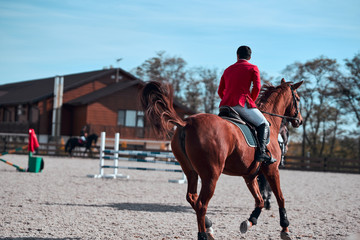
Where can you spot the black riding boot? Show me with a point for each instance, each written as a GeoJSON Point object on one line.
{"type": "Point", "coordinates": [263, 132]}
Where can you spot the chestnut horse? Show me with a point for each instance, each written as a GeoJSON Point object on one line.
{"type": "Point", "coordinates": [206, 145]}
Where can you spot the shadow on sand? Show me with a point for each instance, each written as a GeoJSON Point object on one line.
{"type": "Point", "coordinates": [146, 207]}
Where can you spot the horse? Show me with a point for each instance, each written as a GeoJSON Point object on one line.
{"type": "Point", "coordinates": [74, 142]}
{"type": "Point", "coordinates": [206, 146]}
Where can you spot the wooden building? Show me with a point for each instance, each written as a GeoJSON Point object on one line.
{"type": "Point", "coordinates": [104, 100]}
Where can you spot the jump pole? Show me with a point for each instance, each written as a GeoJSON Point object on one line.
{"type": "Point", "coordinates": [14, 150]}
{"type": "Point", "coordinates": [20, 169]}
{"type": "Point", "coordinates": [102, 159]}
{"type": "Point", "coordinates": [116, 152]}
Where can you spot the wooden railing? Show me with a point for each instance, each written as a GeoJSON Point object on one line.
{"type": "Point", "coordinates": [57, 149]}
{"type": "Point", "coordinates": [291, 162]}
{"type": "Point", "coordinates": [322, 164]}
{"type": "Point", "coordinates": [52, 149]}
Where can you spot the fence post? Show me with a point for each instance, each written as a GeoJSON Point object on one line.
{"type": "Point", "coordinates": [325, 164]}
{"type": "Point", "coordinates": [102, 148]}
{"type": "Point", "coordinates": [116, 154]}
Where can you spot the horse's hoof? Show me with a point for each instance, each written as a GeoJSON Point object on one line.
{"type": "Point", "coordinates": [210, 230]}
{"type": "Point", "coordinates": [202, 236]}
{"type": "Point", "coordinates": [210, 236]}
{"type": "Point", "coordinates": [267, 205]}
{"type": "Point", "coordinates": [285, 235]}
{"type": "Point", "coordinates": [244, 226]}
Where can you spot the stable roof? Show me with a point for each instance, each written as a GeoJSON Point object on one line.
{"type": "Point", "coordinates": [39, 89]}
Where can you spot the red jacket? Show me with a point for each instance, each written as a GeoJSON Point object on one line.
{"type": "Point", "coordinates": [235, 83]}
{"type": "Point", "coordinates": [33, 142]}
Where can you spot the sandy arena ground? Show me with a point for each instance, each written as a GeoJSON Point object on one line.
{"type": "Point", "coordinates": [63, 203]}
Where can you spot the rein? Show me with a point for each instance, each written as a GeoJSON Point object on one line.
{"type": "Point", "coordinates": [283, 116]}
{"type": "Point", "coordinates": [280, 116]}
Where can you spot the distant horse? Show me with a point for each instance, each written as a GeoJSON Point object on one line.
{"type": "Point", "coordinates": [75, 142]}
{"type": "Point", "coordinates": [206, 145]}
{"type": "Point", "coordinates": [264, 185]}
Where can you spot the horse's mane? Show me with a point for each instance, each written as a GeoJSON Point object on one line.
{"type": "Point", "coordinates": [266, 93]}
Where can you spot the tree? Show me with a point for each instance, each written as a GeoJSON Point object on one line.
{"type": "Point", "coordinates": [196, 88]}
{"type": "Point", "coordinates": [164, 68]}
{"type": "Point", "coordinates": [347, 87]}
{"type": "Point", "coordinates": [347, 90]}
{"type": "Point", "coordinates": [265, 78]}
{"type": "Point", "coordinates": [210, 80]}
{"type": "Point", "coordinates": [318, 108]}
{"type": "Point", "coordinates": [201, 89]}
{"type": "Point", "coordinates": [193, 92]}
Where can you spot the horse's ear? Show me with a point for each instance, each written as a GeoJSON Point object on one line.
{"type": "Point", "coordinates": [282, 80]}
{"type": "Point", "coordinates": [297, 85]}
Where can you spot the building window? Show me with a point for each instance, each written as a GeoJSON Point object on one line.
{"type": "Point", "coordinates": [140, 119]}
{"type": "Point", "coordinates": [121, 117]}
{"type": "Point", "coordinates": [7, 115]}
{"type": "Point", "coordinates": [131, 118]}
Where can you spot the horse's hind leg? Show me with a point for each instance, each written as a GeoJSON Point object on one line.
{"type": "Point", "coordinates": [206, 193]}
{"type": "Point", "coordinates": [265, 190]}
{"type": "Point", "coordinates": [268, 196]}
{"type": "Point", "coordinates": [191, 194]}
{"type": "Point", "coordinates": [262, 186]}
{"type": "Point", "coordinates": [253, 186]}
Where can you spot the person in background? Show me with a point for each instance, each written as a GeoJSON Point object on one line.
{"type": "Point", "coordinates": [83, 134]}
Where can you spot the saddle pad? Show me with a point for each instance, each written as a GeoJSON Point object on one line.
{"type": "Point", "coordinates": [248, 133]}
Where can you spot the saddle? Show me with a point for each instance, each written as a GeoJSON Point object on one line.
{"type": "Point", "coordinates": [229, 114]}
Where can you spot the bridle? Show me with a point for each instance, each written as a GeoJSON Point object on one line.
{"type": "Point", "coordinates": [287, 117]}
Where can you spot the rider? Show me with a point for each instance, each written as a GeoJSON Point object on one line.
{"type": "Point", "coordinates": [83, 134]}
{"type": "Point", "coordinates": [234, 91]}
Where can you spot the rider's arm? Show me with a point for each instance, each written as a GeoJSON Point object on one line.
{"type": "Point", "coordinates": [256, 84]}
{"type": "Point", "coordinates": [221, 87]}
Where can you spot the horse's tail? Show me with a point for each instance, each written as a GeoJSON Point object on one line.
{"type": "Point", "coordinates": [157, 103]}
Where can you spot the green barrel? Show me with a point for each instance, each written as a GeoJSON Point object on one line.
{"type": "Point", "coordinates": [35, 164]}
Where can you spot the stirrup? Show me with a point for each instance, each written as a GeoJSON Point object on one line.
{"type": "Point", "coordinates": [271, 160]}
{"type": "Point", "coordinates": [268, 160]}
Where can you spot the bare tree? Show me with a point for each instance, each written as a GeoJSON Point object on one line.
{"type": "Point", "coordinates": [347, 91]}
{"type": "Point", "coordinates": [201, 89]}
{"type": "Point", "coordinates": [193, 92]}
{"type": "Point", "coordinates": [265, 78]}
{"type": "Point", "coordinates": [318, 107]}
{"type": "Point", "coordinates": [347, 87]}
{"type": "Point", "coordinates": [164, 68]}
{"type": "Point", "coordinates": [210, 80]}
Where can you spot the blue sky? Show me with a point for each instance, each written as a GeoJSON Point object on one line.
{"type": "Point", "coordinates": [44, 38]}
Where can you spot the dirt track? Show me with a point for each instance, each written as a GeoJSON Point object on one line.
{"type": "Point", "coordinates": [62, 203]}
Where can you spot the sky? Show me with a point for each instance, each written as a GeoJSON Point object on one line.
{"type": "Point", "coordinates": [45, 38]}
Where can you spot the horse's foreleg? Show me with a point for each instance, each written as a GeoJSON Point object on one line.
{"type": "Point", "coordinates": [273, 178]}
{"type": "Point", "coordinates": [253, 186]}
